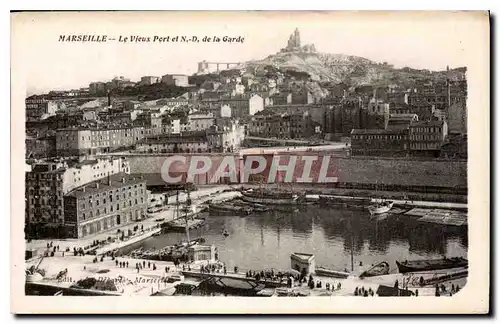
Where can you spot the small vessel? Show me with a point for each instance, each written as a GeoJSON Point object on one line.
{"type": "Point", "coordinates": [431, 264]}
{"type": "Point", "coordinates": [267, 197]}
{"type": "Point", "coordinates": [345, 202]}
{"type": "Point", "coordinates": [380, 208]}
{"type": "Point", "coordinates": [379, 269]}
{"type": "Point", "coordinates": [322, 271]}
{"type": "Point", "coordinates": [229, 208]}
{"type": "Point", "coordinates": [59, 293]}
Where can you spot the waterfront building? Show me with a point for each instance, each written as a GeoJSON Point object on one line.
{"type": "Point", "coordinates": [101, 205]}
{"type": "Point", "coordinates": [427, 137]}
{"type": "Point", "coordinates": [303, 262]}
{"type": "Point", "coordinates": [91, 140]}
{"type": "Point", "coordinates": [179, 80]}
{"type": "Point", "coordinates": [48, 182]}
{"type": "Point", "coordinates": [379, 142]}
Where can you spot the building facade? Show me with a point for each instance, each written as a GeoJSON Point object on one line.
{"type": "Point", "coordinates": [149, 80]}
{"type": "Point", "coordinates": [47, 183]}
{"type": "Point", "coordinates": [379, 142]}
{"type": "Point", "coordinates": [89, 141]}
{"type": "Point", "coordinates": [427, 137]}
{"type": "Point", "coordinates": [104, 204]}
{"type": "Point", "coordinates": [178, 80]}
{"type": "Point", "coordinates": [38, 107]}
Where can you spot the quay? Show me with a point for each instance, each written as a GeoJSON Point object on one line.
{"type": "Point", "coordinates": [236, 276]}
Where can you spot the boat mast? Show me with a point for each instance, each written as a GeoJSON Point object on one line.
{"type": "Point", "coordinates": [187, 209]}
{"type": "Point", "coordinates": [177, 205]}
{"type": "Point", "coordinates": [352, 243]}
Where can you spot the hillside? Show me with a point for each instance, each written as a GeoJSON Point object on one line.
{"type": "Point", "coordinates": [351, 70]}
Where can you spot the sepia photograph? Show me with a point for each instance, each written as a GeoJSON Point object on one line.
{"type": "Point", "coordinates": [326, 158]}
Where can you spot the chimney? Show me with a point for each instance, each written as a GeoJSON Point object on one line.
{"type": "Point", "coordinates": [83, 188]}
{"type": "Point", "coordinates": [97, 185]}
{"type": "Point", "coordinates": [123, 180]}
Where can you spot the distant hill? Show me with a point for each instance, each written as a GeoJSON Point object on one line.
{"type": "Point", "coordinates": [351, 70]}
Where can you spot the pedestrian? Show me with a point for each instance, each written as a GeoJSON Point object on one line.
{"type": "Point", "coordinates": [144, 264]}
{"type": "Point", "coordinates": [225, 270]}
{"type": "Point", "coordinates": [154, 267]}
{"type": "Point", "coordinates": [356, 293]}
{"type": "Point", "coordinates": [416, 292]}
{"type": "Point", "coordinates": [63, 253]}
{"type": "Point", "coordinates": [365, 294]}
{"type": "Point", "coordinates": [149, 264]}
{"type": "Point", "coordinates": [127, 264]}
{"type": "Point", "coordinates": [339, 286]}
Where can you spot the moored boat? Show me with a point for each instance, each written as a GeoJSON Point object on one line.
{"type": "Point", "coordinates": [380, 208]}
{"type": "Point", "coordinates": [346, 202]}
{"type": "Point", "coordinates": [228, 208]}
{"type": "Point", "coordinates": [267, 197]}
{"type": "Point", "coordinates": [379, 269]}
{"type": "Point", "coordinates": [431, 264]}
{"type": "Point", "coordinates": [322, 271]}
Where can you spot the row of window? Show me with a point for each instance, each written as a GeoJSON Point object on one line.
{"type": "Point", "coordinates": [384, 137]}
{"type": "Point", "coordinates": [111, 209]}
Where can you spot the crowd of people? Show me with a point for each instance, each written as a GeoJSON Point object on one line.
{"type": "Point", "coordinates": [363, 292]}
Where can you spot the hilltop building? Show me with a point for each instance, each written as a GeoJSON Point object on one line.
{"type": "Point", "coordinates": [294, 44]}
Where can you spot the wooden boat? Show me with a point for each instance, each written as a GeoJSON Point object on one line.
{"type": "Point", "coordinates": [322, 271]}
{"type": "Point", "coordinates": [379, 269]}
{"type": "Point", "coordinates": [228, 208]}
{"type": "Point", "coordinates": [428, 265]}
{"type": "Point", "coordinates": [344, 202]}
{"type": "Point", "coordinates": [259, 208]}
{"type": "Point", "coordinates": [267, 197]}
{"type": "Point", "coordinates": [381, 208]}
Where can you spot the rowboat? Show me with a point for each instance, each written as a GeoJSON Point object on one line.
{"type": "Point", "coordinates": [428, 265]}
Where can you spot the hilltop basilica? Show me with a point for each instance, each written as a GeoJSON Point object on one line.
{"type": "Point", "coordinates": [294, 44]}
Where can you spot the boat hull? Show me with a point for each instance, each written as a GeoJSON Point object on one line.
{"type": "Point", "coordinates": [331, 273]}
{"type": "Point", "coordinates": [429, 265]}
{"type": "Point", "coordinates": [379, 269]}
{"type": "Point", "coordinates": [270, 200]}
{"type": "Point", "coordinates": [376, 210]}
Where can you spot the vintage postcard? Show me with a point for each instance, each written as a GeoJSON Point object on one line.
{"type": "Point", "coordinates": [206, 162]}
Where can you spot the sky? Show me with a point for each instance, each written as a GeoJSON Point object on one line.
{"type": "Point", "coordinates": [429, 40]}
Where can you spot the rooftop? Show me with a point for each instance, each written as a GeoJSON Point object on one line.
{"type": "Point", "coordinates": [433, 123]}
{"type": "Point", "coordinates": [111, 183]}
{"type": "Point", "coordinates": [377, 131]}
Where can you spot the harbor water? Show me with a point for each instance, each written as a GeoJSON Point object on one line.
{"type": "Point", "coordinates": [266, 240]}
